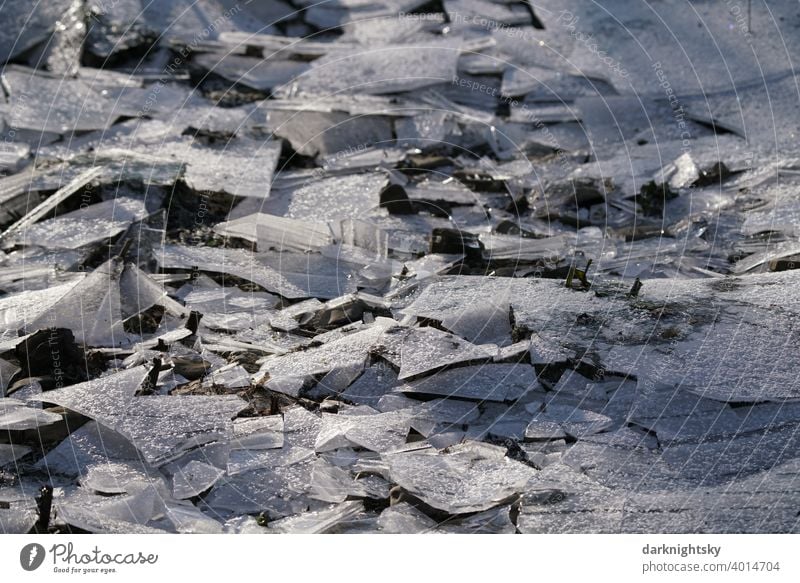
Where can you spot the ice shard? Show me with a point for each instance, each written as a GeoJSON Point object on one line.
{"type": "Point", "coordinates": [471, 477]}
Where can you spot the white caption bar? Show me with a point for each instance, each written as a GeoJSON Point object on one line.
{"type": "Point", "coordinates": [406, 558]}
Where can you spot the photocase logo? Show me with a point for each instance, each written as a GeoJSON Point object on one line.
{"type": "Point", "coordinates": [31, 556]}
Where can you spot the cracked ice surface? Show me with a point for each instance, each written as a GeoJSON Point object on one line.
{"type": "Point", "coordinates": [470, 478]}
{"type": "Point", "coordinates": [348, 271]}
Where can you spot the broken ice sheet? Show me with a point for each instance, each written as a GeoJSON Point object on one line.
{"type": "Point", "coordinates": [499, 247]}
{"type": "Point", "coordinates": [562, 500]}
{"type": "Point", "coordinates": [447, 296]}
{"type": "Point", "coordinates": [424, 350]}
{"type": "Point", "coordinates": [161, 427]}
{"type": "Point", "coordinates": [278, 490]}
{"type": "Point", "coordinates": [90, 445]}
{"type": "Point", "coordinates": [118, 477]}
{"type": "Point", "coordinates": [374, 383]}
{"type": "Point", "coordinates": [431, 265]}
{"type": "Point", "coordinates": [321, 276]}
{"type": "Point", "coordinates": [328, 198]}
{"type": "Point", "coordinates": [261, 74]}
{"type": "Point", "coordinates": [435, 192]}
{"type": "Point", "coordinates": [101, 396]}
{"type": "Point", "coordinates": [326, 133]}
{"type": "Point", "coordinates": [91, 309]}
{"type": "Point", "coordinates": [680, 173]}
{"type": "Point", "coordinates": [484, 323]}
{"type": "Point", "coordinates": [139, 292]}
{"type": "Point", "coordinates": [344, 12]}
{"type": "Point", "coordinates": [121, 136]}
{"type": "Point", "coordinates": [330, 483]}
{"type": "Point", "coordinates": [85, 226]}
{"type": "Point", "coordinates": [696, 426]}
{"type": "Point", "coordinates": [624, 437]}
{"type": "Point", "coordinates": [362, 159]}
{"type": "Point", "coordinates": [180, 21]}
{"type": "Point", "coordinates": [620, 468]}
{"type": "Point", "coordinates": [280, 233]}
{"type": "Point", "coordinates": [443, 412]}
{"type": "Point", "coordinates": [660, 435]}
{"type": "Point", "coordinates": [428, 130]}
{"type": "Point", "coordinates": [384, 69]}
{"type": "Point", "coordinates": [17, 416]}
{"type": "Point", "coordinates": [502, 422]}
{"type": "Point", "coordinates": [134, 101]}
{"type": "Point", "coordinates": [336, 381]}
{"type": "Point", "coordinates": [108, 514]}
{"type": "Point", "coordinates": [363, 243]}
{"type": "Point", "coordinates": [75, 181]}
{"type": "Point", "coordinates": [403, 518]}
{"type": "Point", "coordinates": [188, 519]}
{"type": "Point", "coordinates": [473, 11]}
{"type": "Point", "coordinates": [230, 377]}
{"type": "Point", "coordinates": [712, 510]}
{"type": "Point", "coordinates": [247, 460]}
{"type": "Point", "coordinates": [542, 89]}
{"type": "Point", "coordinates": [486, 382]}
{"type": "Point", "coordinates": [342, 353]}
{"type": "Point", "coordinates": [117, 164]}
{"type": "Point", "coordinates": [781, 211]}
{"type": "Point", "coordinates": [471, 477]}
{"type": "Point", "coordinates": [291, 277]}
{"type": "Point", "coordinates": [378, 432]}
{"type": "Point", "coordinates": [9, 454]}
{"type": "Point", "coordinates": [385, 28]}
{"type": "Point", "coordinates": [782, 251]}
{"type": "Point", "coordinates": [754, 110]}
{"type": "Point", "coordinates": [240, 167]}
{"type": "Point", "coordinates": [571, 420]}
{"type": "Point", "coordinates": [719, 462]}
{"type": "Point", "coordinates": [33, 268]}
{"type": "Point", "coordinates": [301, 427]}
{"type": "Point", "coordinates": [229, 308]}
{"type": "Point", "coordinates": [12, 155]}
{"type": "Point", "coordinates": [574, 384]}
{"type": "Point", "coordinates": [320, 521]}
{"type": "Point", "coordinates": [193, 479]}
{"type": "Point", "coordinates": [62, 105]}
{"type": "Point", "coordinates": [18, 517]}
{"type": "Point", "coordinates": [709, 362]}
{"type": "Point", "coordinates": [28, 25]}
{"type": "Point", "coordinates": [493, 521]}
{"type": "Point", "coordinates": [258, 433]}
{"type": "Point", "coordinates": [206, 120]}
{"type": "Point", "coordinates": [19, 309]}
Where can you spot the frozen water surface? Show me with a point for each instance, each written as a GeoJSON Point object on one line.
{"type": "Point", "coordinates": [330, 268]}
